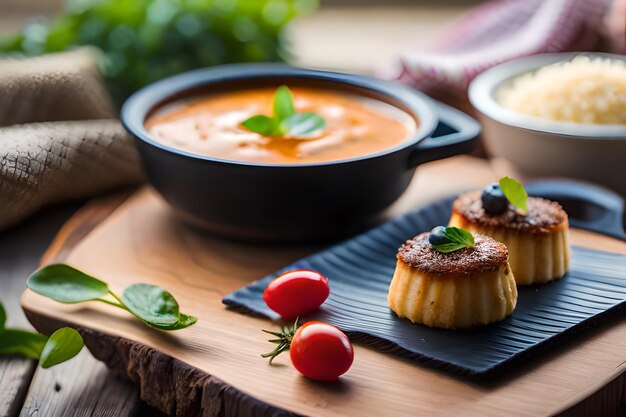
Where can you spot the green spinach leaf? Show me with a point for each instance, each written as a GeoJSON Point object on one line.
{"type": "Point", "coordinates": [61, 346]}
{"type": "Point", "coordinates": [183, 322]}
{"type": "Point", "coordinates": [21, 343]}
{"type": "Point", "coordinates": [66, 284]}
{"type": "Point", "coordinates": [155, 306]}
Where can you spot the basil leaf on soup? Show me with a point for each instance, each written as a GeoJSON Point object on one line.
{"type": "Point", "coordinates": [61, 346]}
{"type": "Point", "coordinates": [152, 304]}
{"type": "Point", "coordinates": [21, 343]}
{"type": "Point", "coordinates": [301, 124]}
{"type": "Point", "coordinates": [66, 284]}
{"type": "Point", "coordinates": [262, 125]}
{"type": "Point", "coordinates": [285, 121]}
{"type": "Point", "coordinates": [515, 193]}
{"type": "Point", "coordinates": [283, 103]}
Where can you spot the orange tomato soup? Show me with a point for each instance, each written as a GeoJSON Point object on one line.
{"type": "Point", "coordinates": [211, 126]}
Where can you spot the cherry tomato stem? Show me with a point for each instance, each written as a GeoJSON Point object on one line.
{"type": "Point", "coordinates": [317, 350]}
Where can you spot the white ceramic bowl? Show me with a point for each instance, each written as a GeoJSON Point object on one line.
{"type": "Point", "coordinates": [544, 148]}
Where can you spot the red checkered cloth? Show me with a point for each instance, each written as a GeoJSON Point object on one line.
{"type": "Point", "coordinates": [498, 31]}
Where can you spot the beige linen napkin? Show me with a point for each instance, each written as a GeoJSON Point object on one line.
{"type": "Point", "coordinates": [59, 138]}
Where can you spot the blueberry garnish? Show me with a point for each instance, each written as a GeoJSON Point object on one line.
{"type": "Point", "coordinates": [437, 236]}
{"type": "Point", "coordinates": [494, 201]}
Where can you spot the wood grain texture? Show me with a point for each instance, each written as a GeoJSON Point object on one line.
{"type": "Point", "coordinates": [20, 250]}
{"type": "Point", "coordinates": [15, 377]}
{"type": "Point", "coordinates": [142, 242]}
{"type": "Point", "coordinates": [25, 388]}
{"type": "Point", "coordinates": [81, 387]}
{"type": "Point", "coordinates": [84, 221]}
{"type": "Point", "coordinates": [609, 401]}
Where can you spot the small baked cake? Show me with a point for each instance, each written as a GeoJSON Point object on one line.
{"type": "Point", "coordinates": [538, 241]}
{"type": "Point", "coordinates": [469, 287]}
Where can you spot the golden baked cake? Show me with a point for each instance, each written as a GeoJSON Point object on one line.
{"type": "Point", "coordinates": [469, 287]}
{"type": "Point", "coordinates": [538, 241]}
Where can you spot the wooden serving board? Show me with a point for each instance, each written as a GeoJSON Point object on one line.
{"type": "Point", "coordinates": [214, 368]}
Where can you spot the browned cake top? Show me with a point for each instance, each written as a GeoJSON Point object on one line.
{"type": "Point", "coordinates": [543, 215]}
{"type": "Point", "coordinates": [486, 255]}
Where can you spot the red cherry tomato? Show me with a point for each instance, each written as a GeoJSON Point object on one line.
{"type": "Point", "coordinates": [296, 293]}
{"type": "Point", "coordinates": [321, 351]}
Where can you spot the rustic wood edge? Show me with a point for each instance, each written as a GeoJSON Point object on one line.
{"type": "Point", "coordinates": [195, 392]}
{"type": "Point", "coordinates": [181, 390]}
{"type": "Point", "coordinates": [186, 390]}
{"type": "Point", "coordinates": [609, 400]}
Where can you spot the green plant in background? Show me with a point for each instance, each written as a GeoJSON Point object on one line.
{"type": "Point", "coordinates": [146, 40]}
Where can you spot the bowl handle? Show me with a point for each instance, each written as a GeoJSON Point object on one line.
{"type": "Point", "coordinates": [588, 206]}
{"type": "Point", "coordinates": [455, 134]}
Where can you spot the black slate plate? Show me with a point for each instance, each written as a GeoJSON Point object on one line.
{"type": "Point", "coordinates": [360, 270]}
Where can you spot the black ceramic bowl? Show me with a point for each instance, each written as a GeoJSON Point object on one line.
{"type": "Point", "coordinates": [303, 202]}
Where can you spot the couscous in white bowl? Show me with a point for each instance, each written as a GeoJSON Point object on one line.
{"type": "Point", "coordinates": [540, 147]}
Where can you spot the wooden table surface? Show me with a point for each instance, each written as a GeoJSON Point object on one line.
{"type": "Point", "coordinates": [84, 386]}
{"type": "Point", "coordinates": [587, 351]}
